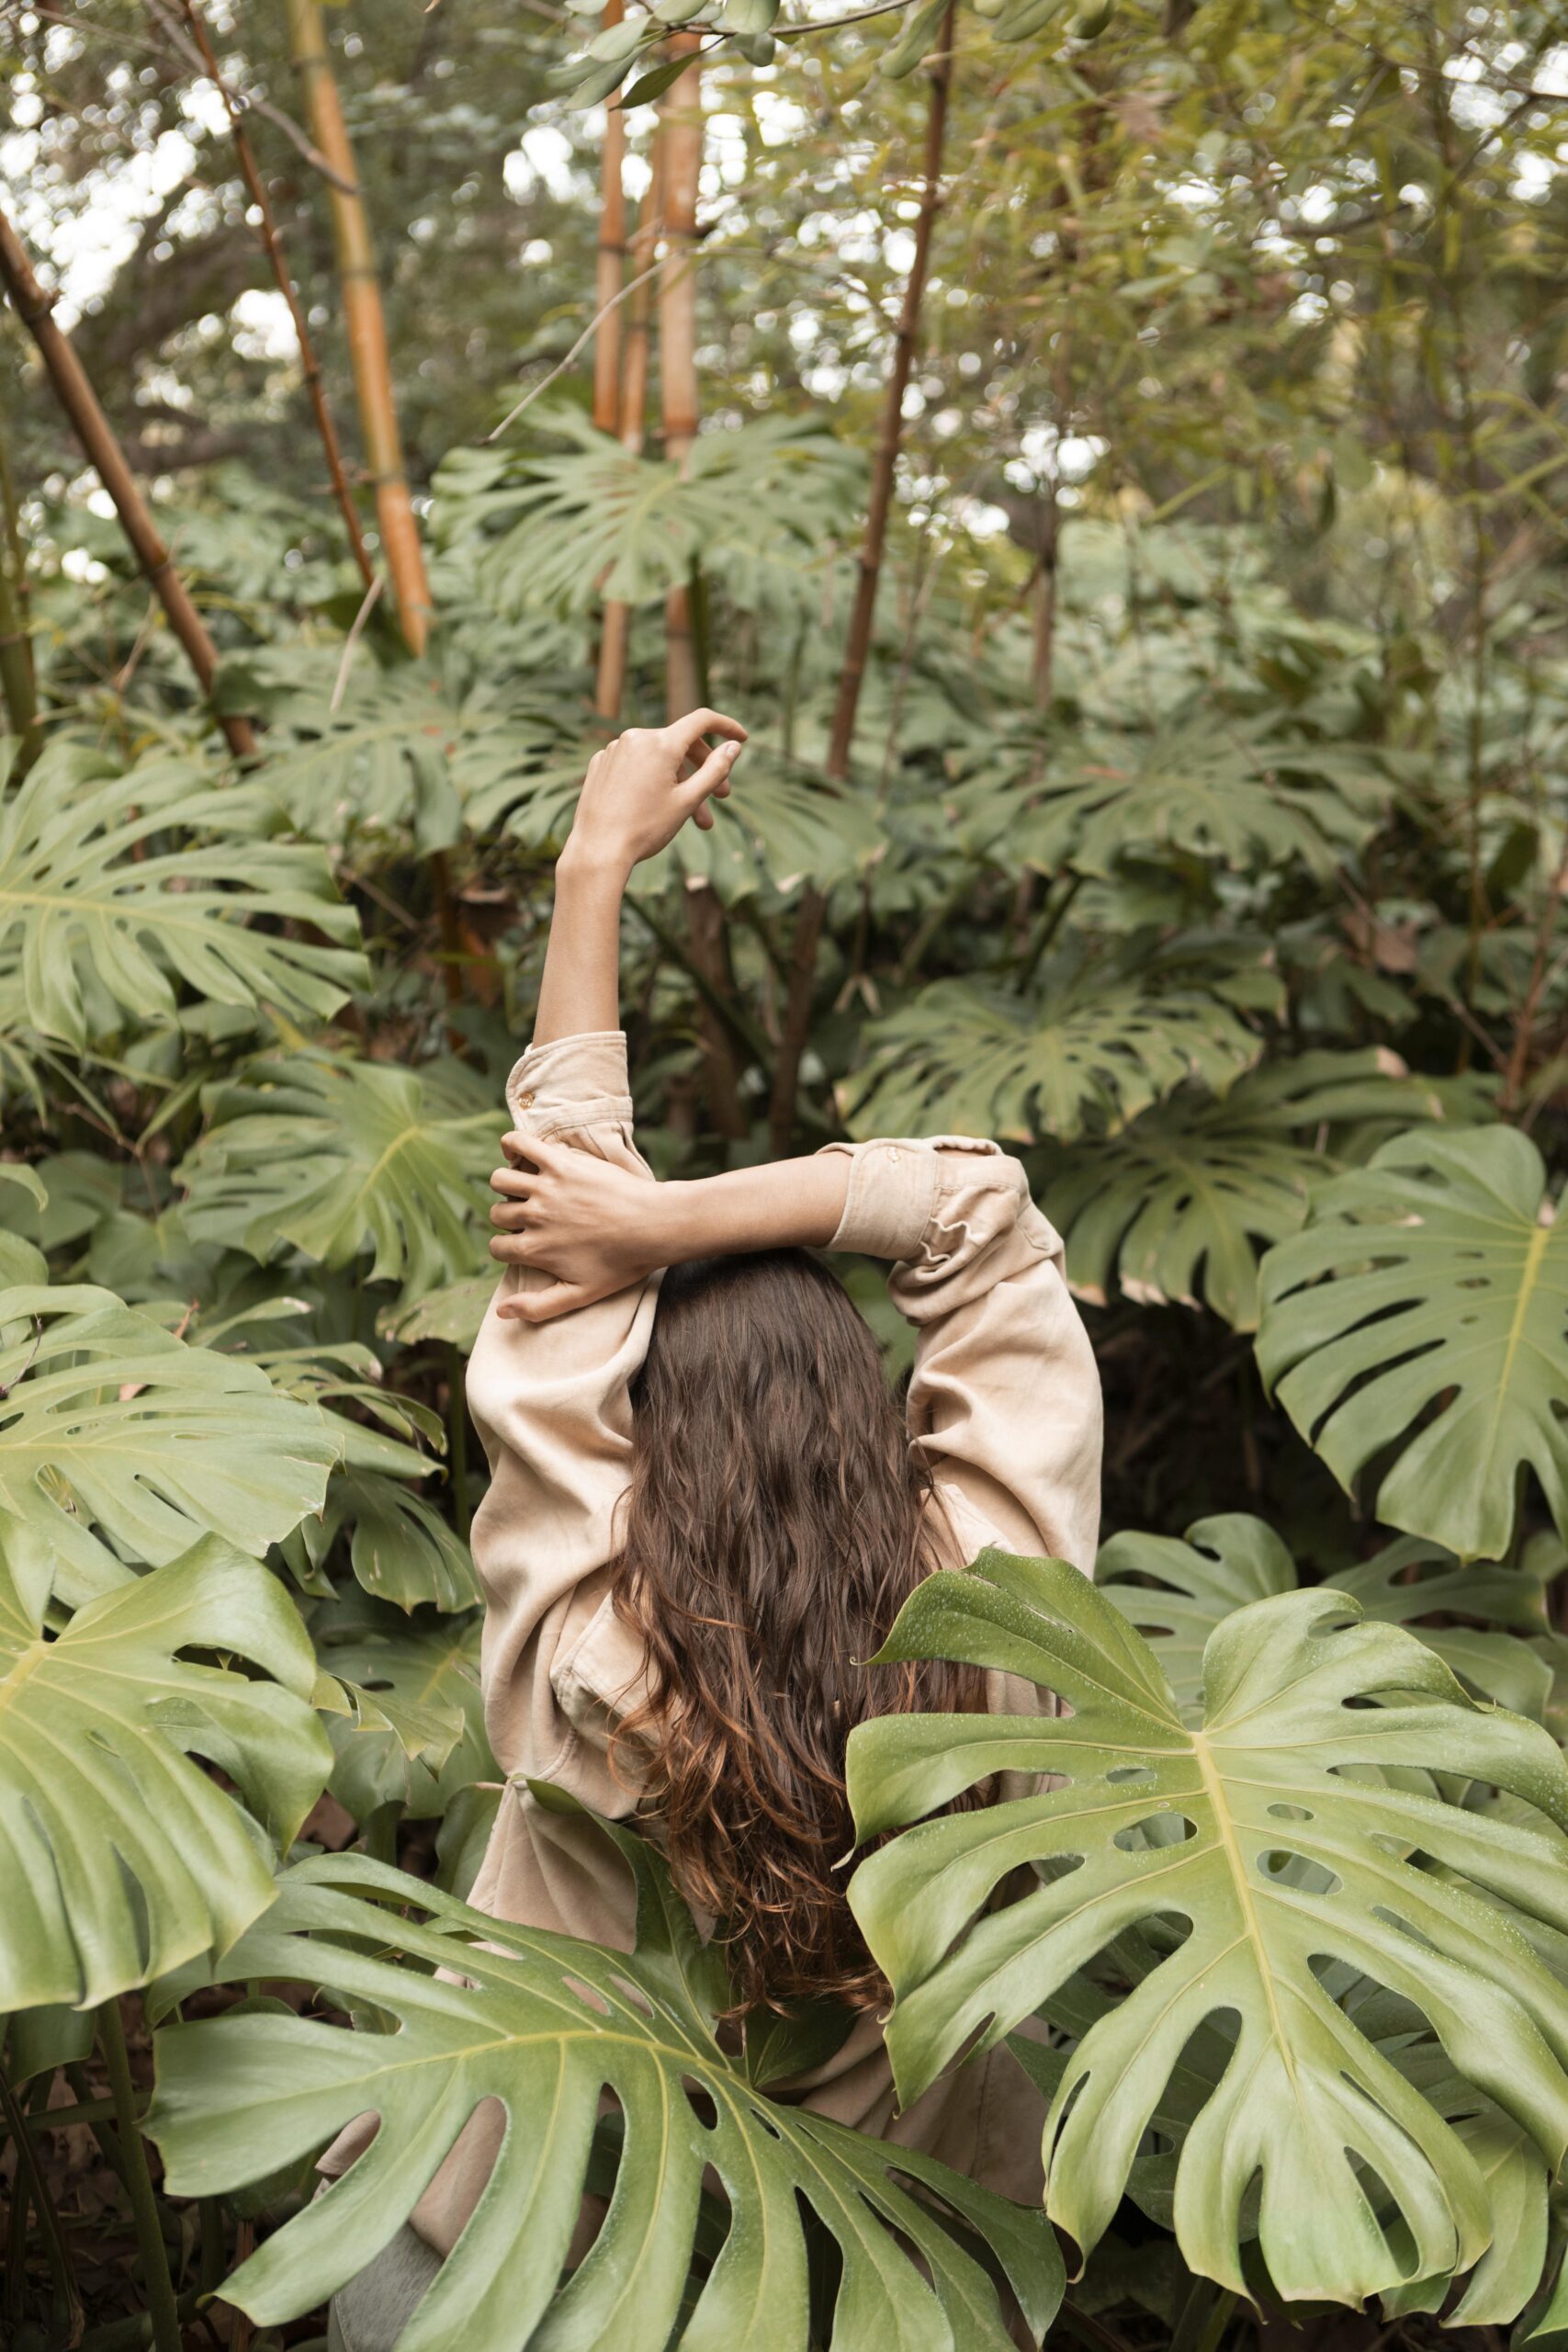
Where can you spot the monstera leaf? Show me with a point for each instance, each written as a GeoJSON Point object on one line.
{"type": "Point", "coordinates": [117, 885]}
{"type": "Point", "coordinates": [20, 1260]}
{"type": "Point", "coordinates": [1179, 1205]}
{"type": "Point", "coordinates": [119, 1442]}
{"type": "Point", "coordinates": [342, 1157]}
{"type": "Point", "coordinates": [1176, 1593]}
{"type": "Point", "coordinates": [1269, 1835]}
{"type": "Point", "coordinates": [784, 826]}
{"type": "Point", "coordinates": [423, 1670]}
{"type": "Point", "coordinates": [558, 530]}
{"type": "Point", "coordinates": [962, 1058]}
{"type": "Point", "coordinates": [1216, 787]}
{"type": "Point", "coordinates": [546, 2025]}
{"type": "Point", "coordinates": [1425, 1312]}
{"type": "Point", "coordinates": [398, 750]}
{"type": "Point", "coordinates": [119, 1857]}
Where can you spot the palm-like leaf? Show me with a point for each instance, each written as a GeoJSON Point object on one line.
{"type": "Point", "coordinates": [121, 1859]}
{"type": "Point", "coordinates": [1180, 1203]}
{"type": "Point", "coordinates": [1425, 1308]}
{"type": "Point", "coordinates": [1092, 1049]}
{"type": "Point", "coordinates": [560, 529]}
{"type": "Point", "coordinates": [546, 2025]}
{"type": "Point", "coordinates": [20, 1260]}
{"type": "Point", "coordinates": [119, 1442]}
{"type": "Point", "coordinates": [1218, 788]}
{"type": "Point", "coordinates": [1176, 1592]}
{"type": "Point", "coordinates": [1270, 1833]}
{"type": "Point", "coordinates": [340, 1158]}
{"type": "Point", "coordinates": [115, 886]}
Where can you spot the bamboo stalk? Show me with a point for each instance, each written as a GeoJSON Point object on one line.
{"type": "Point", "coordinates": [367, 327]}
{"type": "Point", "coordinates": [680, 139]}
{"type": "Point", "coordinates": [857, 644]}
{"type": "Point", "coordinates": [612, 258]}
{"type": "Point", "coordinates": [614, 634]}
{"type": "Point", "coordinates": [310, 365]}
{"type": "Point", "coordinates": [18, 669]}
{"type": "Point", "coordinates": [92, 429]}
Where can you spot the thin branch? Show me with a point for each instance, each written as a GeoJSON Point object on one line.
{"type": "Point", "coordinates": [236, 101]}
{"type": "Point", "coordinates": [585, 337]}
{"type": "Point", "coordinates": [311, 367]}
{"type": "Point", "coordinates": [378, 582]}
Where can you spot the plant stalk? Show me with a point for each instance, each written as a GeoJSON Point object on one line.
{"type": "Point", "coordinates": [310, 365]}
{"type": "Point", "coordinates": [36, 309]}
{"type": "Point", "coordinates": [857, 645]}
{"type": "Point", "coordinates": [615, 634]}
{"type": "Point", "coordinates": [162, 2302]}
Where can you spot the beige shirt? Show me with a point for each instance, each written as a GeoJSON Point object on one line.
{"type": "Point", "coordinates": [1004, 1404]}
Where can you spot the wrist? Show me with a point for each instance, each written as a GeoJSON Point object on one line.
{"type": "Point", "coordinates": [586, 864]}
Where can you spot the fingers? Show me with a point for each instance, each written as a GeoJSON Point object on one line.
{"type": "Point", "coordinates": [712, 776]}
{"type": "Point", "coordinates": [542, 1306]}
{"type": "Point", "coordinates": [511, 1217]}
{"type": "Point", "coordinates": [682, 734]}
{"type": "Point", "coordinates": [513, 1182]}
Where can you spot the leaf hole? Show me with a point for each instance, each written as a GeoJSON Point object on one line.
{"type": "Point", "coordinates": [1285, 1867]}
{"type": "Point", "coordinates": [1125, 1775]}
{"type": "Point", "coordinates": [587, 1995]}
{"type": "Point", "coordinates": [1156, 1831]}
{"type": "Point", "coordinates": [634, 1994]}
{"type": "Point", "coordinates": [700, 2099]}
{"type": "Point", "coordinates": [1290, 1813]}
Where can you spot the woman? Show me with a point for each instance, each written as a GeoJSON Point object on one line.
{"type": "Point", "coordinates": [704, 1508]}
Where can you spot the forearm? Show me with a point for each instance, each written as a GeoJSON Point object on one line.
{"type": "Point", "coordinates": [791, 1204]}
{"type": "Point", "coordinates": [580, 988]}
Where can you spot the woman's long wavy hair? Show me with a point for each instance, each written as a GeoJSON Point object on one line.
{"type": "Point", "coordinates": [776, 1520]}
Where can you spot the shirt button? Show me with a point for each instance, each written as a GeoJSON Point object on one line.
{"type": "Point", "coordinates": [525, 1101]}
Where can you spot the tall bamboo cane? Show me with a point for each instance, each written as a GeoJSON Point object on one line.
{"type": "Point", "coordinates": [310, 365]}
{"type": "Point", "coordinates": [18, 675]}
{"type": "Point", "coordinates": [857, 644]}
{"type": "Point", "coordinates": [103, 454]}
{"type": "Point", "coordinates": [367, 326]}
{"type": "Point", "coordinates": [612, 259]}
{"type": "Point", "coordinates": [615, 628]}
{"type": "Point", "coordinates": [680, 141]}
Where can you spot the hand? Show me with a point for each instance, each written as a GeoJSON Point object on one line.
{"type": "Point", "coordinates": [640, 789]}
{"type": "Point", "coordinates": [592, 1225]}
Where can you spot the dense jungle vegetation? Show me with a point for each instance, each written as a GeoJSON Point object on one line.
{"type": "Point", "coordinates": [1113, 455]}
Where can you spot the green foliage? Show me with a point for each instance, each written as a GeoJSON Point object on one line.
{"type": "Point", "coordinates": [1425, 1310]}
{"type": "Point", "coordinates": [119, 1442]}
{"type": "Point", "coordinates": [544, 2025]}
{"type": "Point", "coordinates": [99, 920]}
{"type": "Point", "coordinates": [122, 1857]}
{"type": "Point", "coordinates": [1278, 1834]}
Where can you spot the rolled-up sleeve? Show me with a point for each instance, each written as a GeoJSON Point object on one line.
{"type": "Point", "coordinates": [1004, 1400]}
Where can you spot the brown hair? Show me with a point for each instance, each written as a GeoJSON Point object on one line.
{"type": "Point", "coordinates": [776, 1523]}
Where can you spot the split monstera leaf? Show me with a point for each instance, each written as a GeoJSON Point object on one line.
{"type": "Point", "coordinates": [1290, 1848]}
{"type": "Point", "coordinates": [548, 2026]}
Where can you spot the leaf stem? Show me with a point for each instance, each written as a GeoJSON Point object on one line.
{"type": "Point", "coordinates": [162, 2304]}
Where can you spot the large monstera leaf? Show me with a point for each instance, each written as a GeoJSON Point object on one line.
{"type": "Point", "coordinates": [556, 530]}
{"type": "Point", "coordinates": [117, 887]}
{"type": "Point", "coordinates": [1216, 787]}
{"type": "Point", "coordinates": [342, 1157]}
{"type": "Point", "coordinates": [546, 2025]}
{"type": "Point", "coordinates": [964, 1058]}
{"type": "Point", "coordinates": [1424, 1312]}
{"type": "Point", "coordinates": [419, 1671]}
{"type": "Point", "coordinates": [1271, 1834]}
{"type": "Point", "coordinates": [119, 1857]}
{"type": "Point", "coordinates": [1494, 1629]}
{"type": "Point", "coordinates": [119, 1442]}
{"type": "Point", "coordinates": [1179, 1204]}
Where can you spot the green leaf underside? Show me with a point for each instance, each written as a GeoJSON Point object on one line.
{"type": "Point", "coordinates": [545, 2025]}
{"type": "Point", "coordinates": [120, 1859]}
{"type": "Point", "coordinates": [1425, 1309]}
{"type": "Point", "coordinates": [1230, 1828]}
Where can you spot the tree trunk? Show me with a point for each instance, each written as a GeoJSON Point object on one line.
{"type": "Point", "coordinates": [367, 327]}
{"type": "Point", "coordinates": [680, 143]}
{"type": "Point", "coordinates": [616, 630]}
{"type": "Point", "coordinates": [857, 644]}
{"type": "Point", "coordinates": [310, 365]}
{"type": "Point", "coordinates": [92, 427]}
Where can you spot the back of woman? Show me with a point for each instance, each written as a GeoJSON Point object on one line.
{"type": "Point", "coordinates": [706, 1507]}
